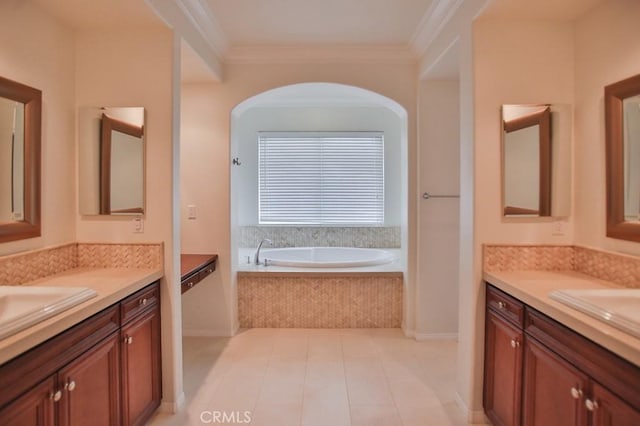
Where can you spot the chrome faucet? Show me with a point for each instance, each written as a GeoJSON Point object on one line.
{"type": "Point", "coordinates": [256, 258]}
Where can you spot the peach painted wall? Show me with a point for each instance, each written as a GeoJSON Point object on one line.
{"type": "Point", "coordinates": [204, 182]}
{"type": "Point", "coordinates": [607, 50]}
{"type": "Point", "coordinates": [134, 68]}
{"type": "Point", "coordinates": [516, 62]}
{"type": "Point", "coordinates": [436, 298]}
{"type": "Point", "coordinates": [211, 168]}
{"type": "Point", "coordinates": [38, 51]}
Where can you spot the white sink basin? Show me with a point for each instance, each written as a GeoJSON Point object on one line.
{"type": "Point", "coordinates": [619, 308]}
{"type": "Point", "coordinates": [23, 306]}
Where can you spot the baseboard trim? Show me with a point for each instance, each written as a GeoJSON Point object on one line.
{"type": "Point", "coordinates": [408, 332]}
{"type": "Point", "coordinates": [173, 407]}
{"type": "Point", "coordinates": [435, 336]}
{"type": "Point", "coordinates": [200, 332]}
{"type": "Point", "coordinates": [476, 417]}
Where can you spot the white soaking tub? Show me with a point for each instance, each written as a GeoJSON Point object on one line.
{"type": "Point", "coordinates": [326, 257]}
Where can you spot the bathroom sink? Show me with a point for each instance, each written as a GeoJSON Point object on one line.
{"type": "Point", "coordinates": [23, 306]}
{"type": "Point", "coordinates": [619, 308]}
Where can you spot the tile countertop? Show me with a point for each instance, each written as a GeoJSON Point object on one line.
{"type": "Point", "coordinates": [112, 285]}
{"type": "Point", "coordinates": [533, 288]}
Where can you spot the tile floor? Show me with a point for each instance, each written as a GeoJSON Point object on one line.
{"type": "Point", "coordinates": [319, 377]}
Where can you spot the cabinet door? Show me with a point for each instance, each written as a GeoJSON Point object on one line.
{"type": "Point", "coordinates": [553, 389]}
{"type": "Point", "coordinates": [90, 387]}
{"type": "Point", "coordinates": [141, 390]}
{"type": "Point", "coordinates": [36, 407]}
{"type": "Point", "coordinates": [502, 371]}
{"type": "Point", "coordinates": [609, 410]}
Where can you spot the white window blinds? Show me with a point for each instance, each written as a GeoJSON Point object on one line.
{"type": "Point", "coordinates": [321, 178]}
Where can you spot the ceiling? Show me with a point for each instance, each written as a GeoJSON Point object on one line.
{"type": "Point", "coordinates": [246, 24]}
{"type": "Point", "coordinates": [327, 22]}
{"type": "Point", "coordinates": [562, 10]}
{"type": "Point", "coordinates": [305, 22]}
{"type": "Point", "coordinates": [96, 14]}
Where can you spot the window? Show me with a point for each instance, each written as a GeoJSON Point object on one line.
{"type": "Point", "coordinates": [321, 178]}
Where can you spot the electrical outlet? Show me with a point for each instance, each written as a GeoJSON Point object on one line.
{"type": "Point", "coordinates": [138, 225]}
{"type": "Point", "coordinates": [191, 211]}
{"type": "Point", "coordinates": [558, 227]}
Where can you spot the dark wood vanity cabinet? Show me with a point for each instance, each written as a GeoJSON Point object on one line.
{"type": "Point", "coordinates": [90, 387]}
{"type": "Point", "coordinates": [503, 360]}
{"type": "Point", "coordinates": [539, 372]}
{"type": "Point", "coordinates": [141, 369]}
{"type": "Point", "coordinates": [552, 389]}
{"type": "Point", "coordinates": [35, 407]}
{"type": "Point", "coordinates": [103, 371]}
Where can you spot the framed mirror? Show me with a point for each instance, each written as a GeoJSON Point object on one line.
{"type": "Point", "coordinates": [536, 160]}
{"type": "Point", "coordinates": [111, 155]}
{"type": "Point", "coordinates": [622, 139]}
{"type": "Point", "coordinates": [20, 139]}
{"type": "Point", "coordinates": [526, 156]}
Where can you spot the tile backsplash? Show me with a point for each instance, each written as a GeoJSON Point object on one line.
{"type": "Point", "coordinates": [319, 236]}
{"type": "Point", "coordinates": [17, 269]}
{"type": "Point", "coordinates": [615, 267]}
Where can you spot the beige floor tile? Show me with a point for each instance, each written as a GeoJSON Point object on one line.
{"type": "Point", "coordinates": [325, 411]}
{"type": "Point", "coordinates": [318, 377]}
{"type": "Point", "coordinates": [242, 367]}
{"type": "Point", "coordinates": [369, 390]}
{"type": "Point", "coordinates": [277, 415]}
{"type": "Point", "coordinates": [429, 415]}
{"type": "Point", "coordinates": [362, 367]}
{"type": "Point", "coordinates": [325, 371]}
{"type": "Point", "coordinates": [291, 369]}
{"type": "Point", "coordinates": [412, 390]}
{"type": "Point", "coordinates": [374, 415]}
{"type": "Point", "coordinates": [358, 346]}
{"type": "Point", "coordinates": [402, 367]}
{"type": "Point", "coordinates": [281, 391]}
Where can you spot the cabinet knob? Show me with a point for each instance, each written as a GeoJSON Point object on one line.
{"type": "Point", "coordinates": [55, 396]}
{"type": "Point", "coordinates": [514, 343]}
{"type": "Point", "coordinates": [576, 393]}
{"type": "Point", "coordinates": [190, 284]}
{"type": "Point", "coordinates": [502, 305]}
{"type": "Point", "coordinates": [143, 302]}
{"type": "Point", "coordinates": [591, 405]}
{"type": "Point", "coordinates": [70, 386]}
{"type": "Point", "coordinates": [128, 340]}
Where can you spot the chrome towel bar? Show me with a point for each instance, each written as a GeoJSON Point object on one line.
{"type": "Point", "coordinates": [426, 196]}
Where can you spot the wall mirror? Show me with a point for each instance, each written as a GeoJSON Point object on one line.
{"type": "Point", "coordinates": [536, 160]}
{"type": "Point", "coordinates": [20, 134]}
{"type": "Point", "coordinates": [111, 161]}
{"type": "Point", "coordinates": [622, 139]}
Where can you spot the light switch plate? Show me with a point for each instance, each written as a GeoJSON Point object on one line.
{"type": "Point", "coordinates": [191, 211]}
{"type": "Point", "coordinates": [138, 225]}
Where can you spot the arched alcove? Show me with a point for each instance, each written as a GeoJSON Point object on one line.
{"type": "Point", "coordinates": [316, 107]}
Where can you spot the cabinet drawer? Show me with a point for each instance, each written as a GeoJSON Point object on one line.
{"type": "Point", "coordinates": [506, 306]}
{"type": "Point", "coordinates": [190, 281]}
{"type": "Point", "coordinates": [139, 302]}
{"type": "Point", "coordinates": [207, 270]}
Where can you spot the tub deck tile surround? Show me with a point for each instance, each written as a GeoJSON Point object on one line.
{"type": "Point", "coordinates": [620, 268]}
{"type": "Point", "coordinates": [319, 300]}
{"type": "Point", "coordinates": [19, 268]}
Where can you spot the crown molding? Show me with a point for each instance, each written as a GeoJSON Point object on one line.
{"type": "Point", "coordinates": [432, 23]}
{"type": "Point", "coordinates": [319, 54]}
{"type": "Point", "coordinates": [201, 17]}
